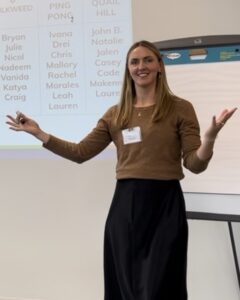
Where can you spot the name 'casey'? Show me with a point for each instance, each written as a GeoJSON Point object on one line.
{"type": "Point", "coordinates": [115, 63]}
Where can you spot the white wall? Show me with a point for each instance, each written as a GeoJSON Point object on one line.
{"type": "Point", "coordinates": [52, 213]}
{"type": "Point", "coordinates": [156, 20]}
{"type": "Point", "coordinates": [52, 216]}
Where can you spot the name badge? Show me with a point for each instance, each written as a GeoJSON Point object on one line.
{"type": "Point", "coordinates": [131, 135]}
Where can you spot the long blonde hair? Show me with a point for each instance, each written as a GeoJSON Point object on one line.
{"type": "Point", "coordinates": [164, 96]}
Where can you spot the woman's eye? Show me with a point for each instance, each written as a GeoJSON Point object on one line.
{"type": "Point", "coordinates": [134, 62]}
{"type": "Point", "coordinates": [149, 60]}
{"type": "Point", "coordinates": [146, 60]}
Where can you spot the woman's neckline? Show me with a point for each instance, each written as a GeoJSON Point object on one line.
{"type": "Point", "coordinates": [144, 107]}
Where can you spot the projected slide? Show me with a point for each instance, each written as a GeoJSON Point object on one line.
{"type": "Point", "coordinates": [61, 62]}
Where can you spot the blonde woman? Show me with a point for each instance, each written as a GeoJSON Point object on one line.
{"type": "Point", "coordinates": [155, 132]}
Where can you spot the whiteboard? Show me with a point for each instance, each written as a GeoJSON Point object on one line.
{"type": "Point", "coordinates": [206, 71]}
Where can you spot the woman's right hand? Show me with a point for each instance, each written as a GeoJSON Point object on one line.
{"type": "Point", "coordinates": [24, 123]}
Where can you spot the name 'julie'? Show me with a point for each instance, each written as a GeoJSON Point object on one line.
{"type": "Point", "coordinates": [14, 47]}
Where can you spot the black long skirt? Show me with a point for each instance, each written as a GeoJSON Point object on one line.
{"type": "Point", "coordinates": [145, 243]}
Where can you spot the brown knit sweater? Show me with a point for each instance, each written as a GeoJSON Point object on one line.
{"type": "Point", "coordinates": [158, 155]}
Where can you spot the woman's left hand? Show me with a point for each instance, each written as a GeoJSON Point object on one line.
{"type": "Point", "coordinates": [218, 123]}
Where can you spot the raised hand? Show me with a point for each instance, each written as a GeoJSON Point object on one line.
{"type": "Point", "coordinates": [24, 123]}
{"type": "Point", "coordinates": [218, 123]}
{"type": "Point", "coordinates": [205, 150]}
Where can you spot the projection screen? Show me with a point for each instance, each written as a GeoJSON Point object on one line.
{"type": "Point", "coordinates": [61, 62]}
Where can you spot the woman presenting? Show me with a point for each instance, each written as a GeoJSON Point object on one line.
{"type": "Point", "coordinates": [155, 133]}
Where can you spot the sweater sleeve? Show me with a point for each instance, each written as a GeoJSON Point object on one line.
{"type": "Point", "coordinates": [190, 139]}
{"type": "Point", "coordinates": [96, 141]}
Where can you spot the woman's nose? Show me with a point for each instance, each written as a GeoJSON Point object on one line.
{"type": "Point", "coordinates": [142, 64]}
